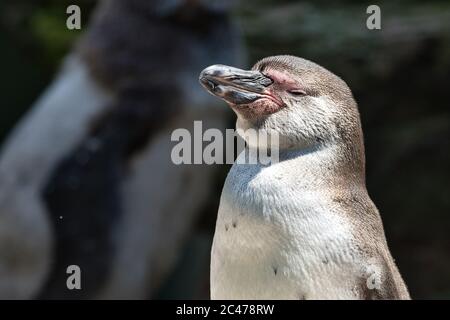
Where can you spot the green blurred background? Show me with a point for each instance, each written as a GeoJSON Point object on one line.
{"type": "Point", "coordinates": [400, 76]}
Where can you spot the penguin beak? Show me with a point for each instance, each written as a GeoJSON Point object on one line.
{"type": "Point", "coordinates": [236, 86]}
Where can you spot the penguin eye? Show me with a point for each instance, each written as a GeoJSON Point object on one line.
{"type": "Point", "coordinates": [297, 92]}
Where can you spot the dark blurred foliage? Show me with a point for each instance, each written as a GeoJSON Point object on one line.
{"type": "Point", "coordinates": [33, 40]}
{"type": "Point", "coordinates": [399, 75]}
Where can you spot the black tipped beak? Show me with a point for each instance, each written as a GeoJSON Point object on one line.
{"type": "Point", "coordinates": [234, 85]}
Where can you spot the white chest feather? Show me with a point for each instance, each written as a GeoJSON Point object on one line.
{"type": "Point", "coordinates": [279, 236]}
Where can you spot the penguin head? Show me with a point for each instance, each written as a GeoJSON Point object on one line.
{"type": "Point", "coordinates": [302, 102]}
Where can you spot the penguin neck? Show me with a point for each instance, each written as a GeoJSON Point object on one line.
{"type": "Point", "coordinates": [339, 162]}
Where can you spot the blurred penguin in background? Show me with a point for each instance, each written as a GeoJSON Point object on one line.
{"type": "Point", "coordinates": [86, 177]}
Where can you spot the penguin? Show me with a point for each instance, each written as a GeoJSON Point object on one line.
{"type": "Point", "coordinates": [304, 226]}
{"type": "Point", "coordinates": [86, 177]}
